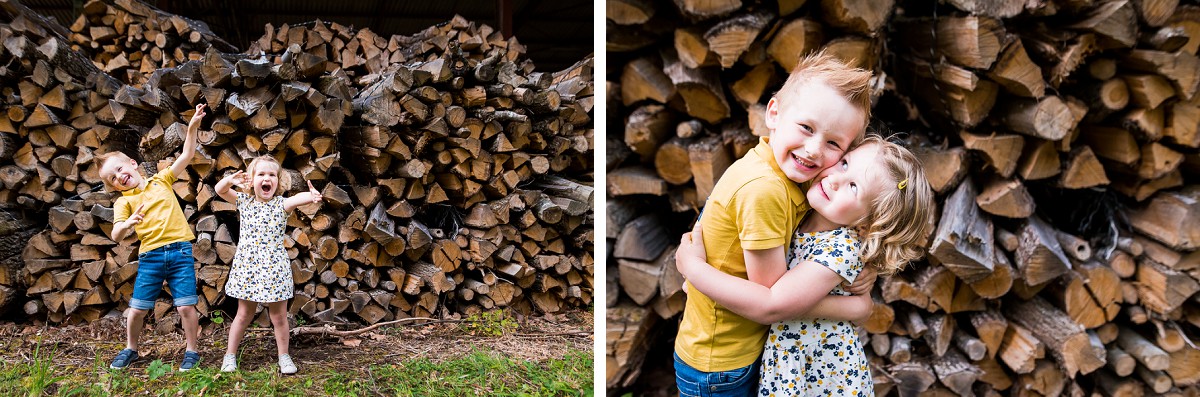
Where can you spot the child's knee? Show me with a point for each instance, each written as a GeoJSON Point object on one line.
{"type": "Point", "coordinates": [135, 314]}
{"type": "Point", "coordinates": [186, 311]}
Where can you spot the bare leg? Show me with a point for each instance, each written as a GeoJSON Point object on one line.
{"type": "Point", "coordinates": [237, 330]}
{"type": "Point", "coordinates": [134, 318]}
{"type": "Point", "coordinates": [191, 325]}
{"type": "Point", "coordinates": [278, 313]}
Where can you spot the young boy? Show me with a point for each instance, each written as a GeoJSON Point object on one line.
{"type": "Point", "coordinates": [149, 208]}
{"type": "Point", "coordinates": [819, 114]}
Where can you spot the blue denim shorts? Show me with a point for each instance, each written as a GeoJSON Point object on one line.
{"type": "Point", "coordinates": [739, 382]}
{"type": "Point", "coordinates": [172, 263]}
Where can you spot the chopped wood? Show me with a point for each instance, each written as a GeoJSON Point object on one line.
{"type": "Point", "coordinates": [964, 239]}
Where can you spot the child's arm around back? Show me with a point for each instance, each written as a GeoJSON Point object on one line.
{"type": "Point", "coordinates": [761, 227]}
{"type": "Point", "coordinates": [311, 196]}
{"type": "Point", "coordinates": [189, 142]}
{"type": "Point", "coordinates": [801, 292]}
{"type": "Point", "coordinates": [765, 267]}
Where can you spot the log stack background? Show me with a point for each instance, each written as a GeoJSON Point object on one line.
{"type": "Point", "coordinates": [457, 177]}
{"type": "Point", "coordinates": [1060, 137]}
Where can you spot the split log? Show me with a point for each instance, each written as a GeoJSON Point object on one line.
{"type": "Point", "coordinates": [964, 239]}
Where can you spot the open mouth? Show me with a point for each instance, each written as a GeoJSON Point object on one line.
{"type": "Point", "coordinates": [266, 188]}
{"type": "Point", "coordinates": [821, 185]}
{"type": "Point", "coordinates": [125, 180]}
{"type": "Point", "coordinates": [803, 163]}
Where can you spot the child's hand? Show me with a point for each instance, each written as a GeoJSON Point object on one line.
{"type": "Point", "coordinates": [316, 194]}
{"type": "Point", "coordinates": [137, 216]}
{"type": "Point", "coordinates": [691, 250]}
{"type": "Point", "coordinates": [199, 115]}
{"type": "Point", "coordinates": [237, 179]}
{"type": "Point", "coordinates": [863, 283]}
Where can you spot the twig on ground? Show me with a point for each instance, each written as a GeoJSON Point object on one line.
{"type": "Point", "coordinates": [572, 333]}
{"type": "Point", "coordinates": [331, 331]}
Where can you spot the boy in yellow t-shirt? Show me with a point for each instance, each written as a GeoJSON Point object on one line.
{"type": "Point", "coordinates": [820, 113]}
{"type": "Point", "coordinates": [149, 208]}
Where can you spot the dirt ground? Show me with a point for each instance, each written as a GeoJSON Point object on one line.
{"type": "Point", "coordinates": [535, 339]}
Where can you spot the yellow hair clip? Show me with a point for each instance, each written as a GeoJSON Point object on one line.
{"type": "Point", "coordinates": [902, 184]}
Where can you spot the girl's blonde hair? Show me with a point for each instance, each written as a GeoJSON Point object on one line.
{"type": "Point", "coordinates": [285, 180]}
{"type": "Point", "coordinates": [901, 215]}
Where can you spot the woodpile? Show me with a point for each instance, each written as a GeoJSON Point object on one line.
{"type": "Point", "coordinates": [130, 40]}
{"type": "Point", "coordinates": [456, 177]}
{"type": "Point", "coordinates": [1060, 137]}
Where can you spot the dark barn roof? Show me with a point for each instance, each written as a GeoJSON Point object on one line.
{"type": "Point", "coordinates": [556, 33]}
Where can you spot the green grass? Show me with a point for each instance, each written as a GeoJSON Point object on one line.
{"type": "Point", "coordinates": [486, 374]}
{"type": "Point", "coordinates": [479, 373]}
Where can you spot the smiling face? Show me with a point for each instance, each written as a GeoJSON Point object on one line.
{"type": "Point", "coordinates": [843, 193]}
{"type": "Point", "coordinates": [811, 129]}
{"type": "Point", "coordinates": [264, 179]}
{"type": "Point", "coordinates": [121, 173]}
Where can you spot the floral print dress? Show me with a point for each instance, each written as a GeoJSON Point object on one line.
{"type": "Point", "coordinates": [812, 356]}
{"type": "Point", "coordinates": [261, 269]}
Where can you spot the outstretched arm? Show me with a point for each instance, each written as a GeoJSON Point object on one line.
{"type": "Point", "coordinates": [802, 291]}
{"type": "Point", "coordinates": [311, 196]}
{"type": "Point", "coordinates": [189, 142]}
{"type": "Point", "coordinates": [225, 186]}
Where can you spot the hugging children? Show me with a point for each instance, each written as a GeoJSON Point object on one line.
{"type": "Point", "coordinates": [871, 209]}
{"type": "Point", "coordinates": [752, 234]}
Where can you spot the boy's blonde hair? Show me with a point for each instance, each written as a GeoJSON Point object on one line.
{"type": "Point", "coordinates": [103, 158]}
{"type": "Point", "coordinates": [852, 83]}
{"type": "Point", "coordinates": [901, 215]}
{"type": "Point", "coordinates": [285, 180]}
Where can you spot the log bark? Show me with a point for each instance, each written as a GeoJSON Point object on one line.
{"type": "Point", "coordinates": [964, 239]}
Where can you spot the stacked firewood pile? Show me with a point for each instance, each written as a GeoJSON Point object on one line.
{"type": "Point", "coordinates": [130, 40]}
{"type": "Point", "coordinates": [455, 176]}
{"type": "Point", "coordinates": [1060, 137]}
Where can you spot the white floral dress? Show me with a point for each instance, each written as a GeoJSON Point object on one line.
{"type": "Point", "coordinates": [812, 356]}
{"type": "Point", "coordinates": [261, 269]}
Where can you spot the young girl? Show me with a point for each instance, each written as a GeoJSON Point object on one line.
{"type": "Point", "coordinates": [878, 191]}
{"type": "Point", "coordinates": [261, 271]}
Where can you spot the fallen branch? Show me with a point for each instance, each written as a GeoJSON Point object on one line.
{"type": "Point", "coordinates": [573, 333]}
{"type": "Point", "coordinates": [329, 330]}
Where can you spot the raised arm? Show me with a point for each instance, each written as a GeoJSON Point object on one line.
{"type": "Point", "coordinates": [796, 294]}
{"type": "Point", "coordinates": [225, 186]}
{"type": "Point", "coordinates": [189, 143]}
{"type": "Point", "coordinates": [311, 196]}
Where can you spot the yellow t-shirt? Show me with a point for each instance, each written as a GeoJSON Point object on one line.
{"type": "Point", "coordinates": [754, 206]}
{"type": "Point", "coordinates": [163, 222]}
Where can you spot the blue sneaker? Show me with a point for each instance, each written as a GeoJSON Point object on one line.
{"type": "Point", "coordinates": [190, 359]}
{"type": "Point", "coordinates": [124, 358]}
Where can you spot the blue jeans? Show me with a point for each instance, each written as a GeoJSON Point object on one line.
{"type": "Point", "coordinates": [172, 263]}
{"type": "Point", "coordinates": [733, 383]}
